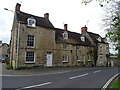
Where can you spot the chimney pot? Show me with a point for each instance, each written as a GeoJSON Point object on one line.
{"type": "Point", "coordinates": [83, 30]}
{"type": "Point", "coordinates": [46, 15]}
{"type": "Point", "coordinates": [17, 8]}
{"type": "Point", "coordinates": [65, 27]}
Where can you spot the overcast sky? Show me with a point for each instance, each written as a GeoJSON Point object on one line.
{"type": "Point", "coordinates": [71, 12]}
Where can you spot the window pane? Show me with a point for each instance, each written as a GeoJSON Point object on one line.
{"type": "Point", "coordinates": [30, 41]}
{"type": "Point", "coordinates": [29, 56]}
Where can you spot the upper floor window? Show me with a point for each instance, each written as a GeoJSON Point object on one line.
{"type": "Point", "coordinates": [31, 22]}
{"type": "Point", "coordinates": [65, 58]}
{"type": "Point", "coordinates": [30, 57]}
{"type": "Point", "coordinates": [107, 50]}
{"type": "Point", "coordinates": [78, 47]}
{"type": "Point", "coordinates": [65, 35]}
{"type": "Point", "coordinates": [82, 38]}
{"type": "Point", "coordinates": [30, 41]}
{"type": "Point", "coordinates": [100, 50]}
{"type": "Point", "coordinates": [65, 46]}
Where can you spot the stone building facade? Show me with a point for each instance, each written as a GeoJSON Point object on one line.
{"type": "Point", "coordinates": [4, 49]}
{"type": "Point", "coordinates": [36, 42]}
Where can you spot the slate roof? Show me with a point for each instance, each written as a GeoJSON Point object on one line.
{"type": "Point", "coordinates": [40, 21]}
{"type": "Point", "coordinates": [95, 36]}
{"type": "Point", "coordinates": [73, 38]}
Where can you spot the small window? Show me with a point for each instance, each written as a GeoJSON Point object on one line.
{"type": "Point", "coordinates": [107, 50]}
{"type": "Point", "coordinates": [78, 47]}
{"type": "Point", "coordinates": [30, 41]}
{"type": "Point", "coordinates": [65, 35]}
{"type": "Point", "coordinates": [30, 57]}
{"type": "Point", "coordinates": [31, 22]}
{"type": "Point", "coordinates": [65, 58]}
{"type": "Point", "coordinates": [65, 46]}
{"type": "Point", "coordinates": [100, 50]}
{"type": "Point", "coordinates": [82, 38]}
{"type": "Point", "coordinates": [83, 58]}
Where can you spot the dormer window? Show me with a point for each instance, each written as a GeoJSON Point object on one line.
{"type": "Point", "coordinates": [65, 35]}
{"type": "Point", "coordinates": [82, 38]}
{"type": "Point", "coordinates": [31, 22]}
{"type": "Point", "coordinates": [99, 39]}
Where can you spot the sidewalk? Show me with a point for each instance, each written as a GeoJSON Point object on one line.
{"type": "Point", "coordinates": [37, 71]}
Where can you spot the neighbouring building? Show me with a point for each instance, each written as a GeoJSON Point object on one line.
{"type": "Point", "coordinates": [35, 41]}
{"type": "Point", "coordinates": [101, 47]}
{"type": "Point", "coordinates": [4, 49]}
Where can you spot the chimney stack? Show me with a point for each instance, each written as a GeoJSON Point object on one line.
{"type": "Point", "coordinates": [17, 8]}
{"type": "Point", "coordinates": [83, 30]}
{"type": "Point", "coordinates": [65, 27]}
{"type": "Point", "coordinates": [46, 16]}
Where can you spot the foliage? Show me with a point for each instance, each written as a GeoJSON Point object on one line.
{"type": "Point", "coordinates": [116, 84]}
{"type": "Point", "coordinates": [95, 53]}
{"type": "Point", "coordinates": [7, 61]}
{"type": "Point", "coordinates": [9, 67]}
{"type": "Point", "coordinates": [100, 1]}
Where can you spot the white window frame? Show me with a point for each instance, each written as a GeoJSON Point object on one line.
{"type": "Point", "coordinates": [65, 46]}
{"type": "Point", "coordinates": [65, 58]}
{"type": "Point", "coordinates": [65, 35]}
{"type": "Point", "coordinates": [33, 22]}
{"type": "Point", "coordinates": [26, 59]}
{"type": "Point", "coordinates": [82, 38]}
{"type": "Point", "coordinates": [30, 41]}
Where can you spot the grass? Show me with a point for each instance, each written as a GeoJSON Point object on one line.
{"type": "Point", "coordinates": [116, 84]}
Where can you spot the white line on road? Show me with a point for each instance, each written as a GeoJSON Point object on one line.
{"type": "Point", "coordinates": [97, 71]}
{"type": "Point", "coordinates": [78, 76]}
{"type": "Point", "coordinates": [35, 86]}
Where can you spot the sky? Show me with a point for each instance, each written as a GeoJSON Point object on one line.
{"type": "Point", "coordinates": [71, 12]}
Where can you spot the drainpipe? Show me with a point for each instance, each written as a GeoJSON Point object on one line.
{"type": "Point", "coordinates": [18, 31]}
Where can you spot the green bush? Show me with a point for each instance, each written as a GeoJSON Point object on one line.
{"type": "Point", "coordinates": [20, 68]}
{"type": "Point", "coordinates": [9, 67]}
{"type": "Point", "coordinates": [7, 61]}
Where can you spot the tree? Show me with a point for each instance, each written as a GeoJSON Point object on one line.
{"type": "Point", "coordinates": [112, 23]}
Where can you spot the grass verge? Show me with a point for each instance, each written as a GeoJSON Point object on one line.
{"type": "Point", "coordinates": [116, 84]}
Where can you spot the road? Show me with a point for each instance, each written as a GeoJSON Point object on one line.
{"type": "Point", "coordinates": [82, 78]}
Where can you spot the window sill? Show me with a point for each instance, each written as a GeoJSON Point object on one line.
{"type": "Point", "coordinates": [29, 62]}
{"type": "Point", "coordinates": [30, 47]}
{"type": "Point", "coordinates": [64, 61]}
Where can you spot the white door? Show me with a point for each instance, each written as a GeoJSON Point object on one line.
{"type": "Point", "coordinates": [49, 59]}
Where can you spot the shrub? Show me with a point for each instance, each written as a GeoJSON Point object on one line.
{"type": "Point", "coordinates": [7, 61]}
{"type": "Point", "coordinates": [9, 67]}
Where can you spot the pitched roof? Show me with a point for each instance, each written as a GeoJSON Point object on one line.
{"type": "Point", "coordinates": [4, 44]}
{"type": "Point", "coordinates": [73, 38]}
{"type": "Point", "coordinates": [95, 37]}
{"type": "Point", "coordinates": [40, 21]}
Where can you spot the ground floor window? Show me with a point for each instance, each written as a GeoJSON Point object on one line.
{"type": "Point", "coordinates": [83, 59]}
{"type": "Point", "coordinates": [65, 58]}
{"type": "Point", "coordinates": [30, 56]}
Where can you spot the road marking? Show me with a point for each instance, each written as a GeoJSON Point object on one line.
{"type": "Point", "coordinates": [78, 76]}
{"type": "Point", "coordinates": [109, 81]}
{"type": "Point", "coordinates": [97, 71]}
{"type": "Point", "coordinates": [39, 85]}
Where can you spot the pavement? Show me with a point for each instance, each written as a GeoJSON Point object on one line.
{"type": "Point", "coordinates": [36, 70]}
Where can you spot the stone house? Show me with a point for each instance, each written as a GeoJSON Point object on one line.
{"type": "Point", "coordinates": [36, 42]}
{"type": "Point", "coordinates": [101, 47]}
{"type": "Point", "coordinates": [4, 49]}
